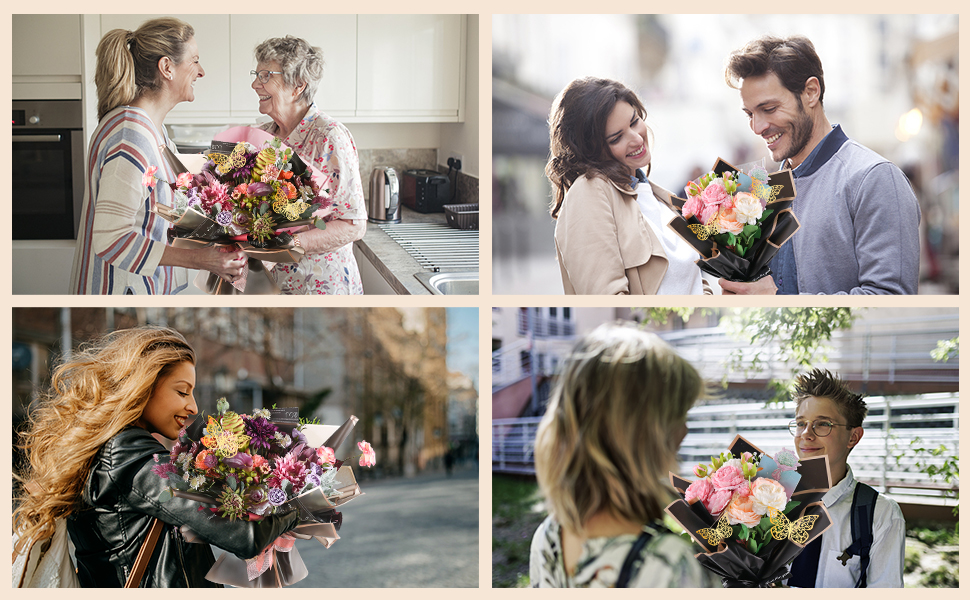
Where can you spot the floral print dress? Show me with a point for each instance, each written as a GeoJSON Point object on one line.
{"type": "Point", "coordinates": [665, 561]}
{"type": "Point", "coordinates": [328, 146]}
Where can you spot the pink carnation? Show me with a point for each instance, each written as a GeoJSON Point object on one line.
{"type": "Point", "coordinates": [718, 501]}
{"type": "Point", "coordinates": [183, 180]}
{"type": "Point", "coordinates": [149, 179]}
{"type": "Point", "coordinates": [699, 490]}
{"type": "Point", "coordinates": [326, 455]}
{"type": "Point", "coordinates": [715, 195]}
{"type": "Point", "coordinates": [692, 207]}
{"type": "Point", "coordinates": [727, 478]}
{"type": "Point", "coordinates": [367, 457]}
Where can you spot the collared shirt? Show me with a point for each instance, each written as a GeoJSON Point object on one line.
{"type": "Point", "coordinates": [888, 546]}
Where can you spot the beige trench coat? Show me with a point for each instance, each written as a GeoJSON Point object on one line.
{"type": "Point", "coordinates": [604, 243]}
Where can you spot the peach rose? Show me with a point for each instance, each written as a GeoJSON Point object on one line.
{"type": "Point", "coordinates": [727, 221]}
{"type": "Point", "coordinates": [741, 511]}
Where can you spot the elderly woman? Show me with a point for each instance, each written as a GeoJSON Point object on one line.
{"type": "Point", "coordinates": [122, 246]}
{"type": "Point", "coordinates": [287, 73]}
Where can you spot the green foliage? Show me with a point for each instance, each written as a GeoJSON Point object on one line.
{"type": "Point", "coordinates": [927, 461]}
{"type": "Point", "coordinates": [794, 336]}
{"type": "Point", "coordinates": [942, 577]}
{"type": "Point", "coordinates": [946, 349]}
{"type": "Point", "coordinates": [659, 315]}
{"type": "Point", "coordinates": [517, 511]}
{"type": "Point", "coordinates": [911, 560]}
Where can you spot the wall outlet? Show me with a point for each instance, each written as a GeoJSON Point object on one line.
{"type": "Point", "coordinates": [456, 156]}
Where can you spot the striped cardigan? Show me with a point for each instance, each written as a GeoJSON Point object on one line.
{"type": "Point", "coordinates": [120, 241]}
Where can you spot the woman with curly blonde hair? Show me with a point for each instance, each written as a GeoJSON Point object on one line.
{"type": "Point", "coordinates": [610, 435]}
{"type": "Point", "coordinates": [91, 449]}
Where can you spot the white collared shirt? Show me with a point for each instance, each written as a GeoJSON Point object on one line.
{"type": "Point", "coordinates": [683, 275]}
{"type": "Point", "coordinates": [888, 541]}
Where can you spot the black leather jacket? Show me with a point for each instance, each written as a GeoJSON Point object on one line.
{"type": "Point", "coordinates": [119, 503]}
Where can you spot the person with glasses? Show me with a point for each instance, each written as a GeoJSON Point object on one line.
{"type": "Point", "coordinates": [285, 80]}
{"type": "Point", "coordinates": [828, 421]}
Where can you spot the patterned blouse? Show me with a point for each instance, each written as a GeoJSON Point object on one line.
{"type": "Point", "coordinates": [120, 241]}
{"type": "Point", "coordinates": [666, 561]}
{"type": "Point", "coordinates": [327, 145]}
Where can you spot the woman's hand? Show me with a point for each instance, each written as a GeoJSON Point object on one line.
{"type": "Point", "coordinates": [765, 285]}
{"type": "Point", "coordinates": [225, 261]}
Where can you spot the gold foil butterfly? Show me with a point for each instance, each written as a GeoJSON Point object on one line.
{"type": "Point", "coordinates": [796, 531]}
{"type": "Point", "coordinates": [290, 210]}
{"type": "Point", "coordinates": [232, 162]}
{"type": "Point", "coordinates": [226, 443]}
{"type": "Point", "coordinates": [768, 193]}
{"type": "Point", "coordinates": [703, 231]}
{"type": "Point", "coordinates": [718, 532]}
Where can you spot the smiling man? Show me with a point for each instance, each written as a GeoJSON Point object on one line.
{"type": "Point", "coordinates": [858, 213]}
{"type": "Point", "coordinates": [865, 546]}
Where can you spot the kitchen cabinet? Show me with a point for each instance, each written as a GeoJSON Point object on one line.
{"type": "Point", "coordinates": [377, 68]}
{"type": "Point", "coordinates": [46, 64]}
{"type": "Point", "coordinates": [336, 35]}
{"type": "Point", "coordinates": [410, 67]}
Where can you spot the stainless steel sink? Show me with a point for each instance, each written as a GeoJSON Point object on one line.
{"type": "Point", "coordinates": [450, 283]}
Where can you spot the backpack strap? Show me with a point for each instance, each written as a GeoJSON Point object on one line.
{"type": "Point", "coordinates": [863, 513]}
{"type": "Point", "coordinates": [626, 572]}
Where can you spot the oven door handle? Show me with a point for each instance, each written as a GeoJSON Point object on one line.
{"type": "Point", "coordinates": [37, 138]}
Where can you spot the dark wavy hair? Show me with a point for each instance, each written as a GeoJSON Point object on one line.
{"type": "Point", "coordinates": [792, 59]}
{"type": "Point", "coordinates": [577, 134]}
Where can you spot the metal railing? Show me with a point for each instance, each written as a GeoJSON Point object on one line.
{"type": "Point", "coordinates": [883, 458]}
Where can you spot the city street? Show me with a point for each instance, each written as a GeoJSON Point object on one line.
{"type": "Point", "coordinates": [419, 532]}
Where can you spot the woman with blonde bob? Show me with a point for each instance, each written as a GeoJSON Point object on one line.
{"type": "Point", "coordinates": [91, 449]}
{"type": "Point", "coordinates": [603, 450]}
{"type": "Point", "coordinates": [122, 246]}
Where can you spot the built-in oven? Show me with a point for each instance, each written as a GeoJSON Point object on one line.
{"type": "Point", "coordinates": [48, 169]}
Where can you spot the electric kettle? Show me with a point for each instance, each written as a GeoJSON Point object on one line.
{"type": "Point", "coordinates": [383, 205]}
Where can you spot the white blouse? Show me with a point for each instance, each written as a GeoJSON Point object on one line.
{"type": "Point", "coordinates": [683, 275]}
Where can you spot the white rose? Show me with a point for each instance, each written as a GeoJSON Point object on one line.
{"type": "Point", "coordinates": [768, 493]}
{"type": "Point", "coordinates": [747, 208]}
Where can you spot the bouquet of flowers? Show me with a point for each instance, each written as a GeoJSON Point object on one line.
{"type": "Point", "coordinates": [752, 513]}
{"type": "Point", "coordinates": [251, 466]}
{"type": "Point", "coordinates": [252, 195]}
{"type": "Point", "coordinates": [737, 219]}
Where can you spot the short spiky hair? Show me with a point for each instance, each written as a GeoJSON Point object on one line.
{"type": "Point", "coordinates": [820, 383]}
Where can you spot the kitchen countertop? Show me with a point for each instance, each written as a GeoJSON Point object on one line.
{"type": "Point", "coordinates": [391, 260]}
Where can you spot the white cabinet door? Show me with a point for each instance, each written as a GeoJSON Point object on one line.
{"type": "Point", "coordinates": [211, 103]}
{"type": "Point", "coordinates": [46, 45]}
{"type": "Point", "coordinates": [336, 35]}
{"type": "Point", "coordinates": [409, 67]}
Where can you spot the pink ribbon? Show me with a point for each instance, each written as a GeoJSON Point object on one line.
{"type": "Point", "coordinates": [261, 563]}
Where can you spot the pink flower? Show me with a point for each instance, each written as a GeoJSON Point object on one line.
{"type": "Point", "coordinates": [768, 493]}
{"type": "Point", "coordinates": [290, 468]}
{"type": "Point", "coordinates": [715, 195]}
{"type": "Point", "coordinates": [743, 490]}
{"type": "Point", "coordinates": [183, 180]}
{"type": "Point", "coordinates": [367, 457]}
{"type": "Point", "coordinates": [727, 478]}
{"type": "Point", "coordinates": [692, 207]}
{"type": "Point", "coordinates": [261, 464]}
{"type": "Point", "coordinates": [149, 179]}
{"type": "Point", "coordinates": [718, 501]}
{"type": "Point", "coordinates": [326, 455]}
{"type": "Point", "coordinates": [727, 222]}
{"type": "Point", "coordinates": [699, 490]}
{"type": "Point", "coordinates": [741, 511]}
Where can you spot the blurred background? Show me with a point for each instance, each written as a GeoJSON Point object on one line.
{"type": "Point", "coordinates": [409, 374]}
{"type": "Point", "coordinates": [891, 82]}
{"type": "Point", "coordinates": [905, 360]}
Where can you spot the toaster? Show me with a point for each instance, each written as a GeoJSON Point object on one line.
{"type": "Point", "coordinates": [425, 191]}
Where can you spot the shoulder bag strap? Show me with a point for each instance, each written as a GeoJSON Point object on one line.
{"type": "Point", "coordinates": [144, 555]}
{"type": "Point", "coordinates": [626, 573]}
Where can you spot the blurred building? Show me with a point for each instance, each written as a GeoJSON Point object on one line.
{"type": "Point", "coordinates": [387, 366]}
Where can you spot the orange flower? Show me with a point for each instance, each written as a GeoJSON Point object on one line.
{"type": "Point", "coordinates": [200, 459]}
{"type": "Point", "coordinates": [286, 174]}
{"type": "Point", "coordinates": [290, 190]}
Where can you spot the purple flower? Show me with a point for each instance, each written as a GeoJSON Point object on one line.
{"type": "Point", "coordinates": [193, 196]}
{"type": "Point", "coordinates": [258, 499]}
{"type": "Point", "coordinates": [260, 431]}
{"type": "Point", "coordinates": [210, 461]}
{"type": "Point", "coordinates": [224, 218]}
{"type": "Point", "coordinates": [298, 437]}
{"type": "Point", "coordinates": [313, 479]}
{"type": "Point", "coordinates": [240, 460]}
{"type": "Point", "coordinates": [259, 188]}
{"type": "Point", "coordinates": [276, 496]}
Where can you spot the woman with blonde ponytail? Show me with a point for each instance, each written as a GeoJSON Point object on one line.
{"type": "Point", "coordinates": [90, 449]}
{"type": "Point", "coordinates": [122, 246]}
{"type": "Point", "coordinates": [611, 229]}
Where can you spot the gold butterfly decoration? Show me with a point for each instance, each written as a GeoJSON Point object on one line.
{"type": "Point", "coordinates": [226, 443]}
{"type": "Point", "coordinates": [231, 162]}
{"type": "Point", "coordinates": [796, 531]}
{"type": "Point", "coordinates": [718, 532]}
{"type": "Point", "coordinates": [703, 231]}
{"type": "Point", "coordinates": [768, 193]}
{"type": "Point", "coordinates": [290, 210]}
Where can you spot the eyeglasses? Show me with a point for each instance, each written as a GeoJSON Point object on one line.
{"type": "Point", "coordinates": [819, 428]}
{"type": "Point", "coordinates": [264, 75]}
